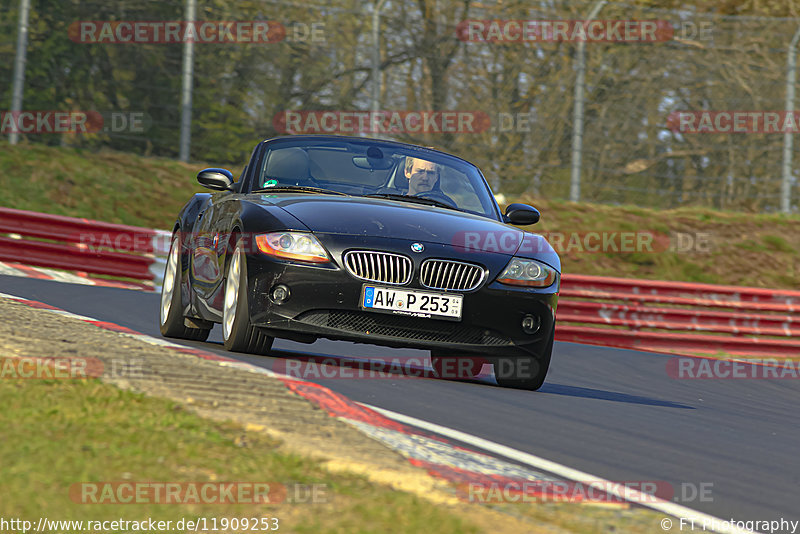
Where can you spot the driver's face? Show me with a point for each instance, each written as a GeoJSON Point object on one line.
{"type": "Point", "coordinates": [421, 177]}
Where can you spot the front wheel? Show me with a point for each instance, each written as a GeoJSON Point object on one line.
{"type": "Point", "coordinates": [172, 323]}
{"type": "Point", "coordinates": [238, 335]}
{"type": "Point", "coordinates": [521, 370]}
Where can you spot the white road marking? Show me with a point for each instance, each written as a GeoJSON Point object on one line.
{"type": "Point", "coordinates": [568, 473]}
{"type": "Point", "coordinates": [10, 271]}
{"type": "Point", "coordinates": [670, 508]}
{"type": "Point", "coordinates": [72, 315]}
{"type": "Point", "coordinates": [66, 277]}
{"type": "Point", "coordinates": [437, 452]}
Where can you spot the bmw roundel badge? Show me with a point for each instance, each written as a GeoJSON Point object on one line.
{"type": "Point", "coordinates": [417, 247]}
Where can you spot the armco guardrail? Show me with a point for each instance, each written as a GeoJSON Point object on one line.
{"type": "Point", "coordinates": [650, 315]}
{"type": "Point", "coordinates": [680, 292]}
{"type": "Point", "coordinates": [679, 317]}
{"type": "Point", "coordinates": [72, 244]}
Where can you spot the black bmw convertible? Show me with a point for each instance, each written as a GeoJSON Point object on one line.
{"type": "Point", "coordinates": [369, 241]}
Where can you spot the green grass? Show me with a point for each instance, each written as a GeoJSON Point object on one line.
{"type": "Point", "coordinates": [748, 249]}
{"type": "Point", "coordinates": [600, 520]}
{"type": "Point", "coordinates": [107, 186]}
{"type": "Point", "coordinates": [776, 243]}
{"type": "Point", "coordinates": [59, 433]}
{"type": "Point", "coordinates": [745, 249]}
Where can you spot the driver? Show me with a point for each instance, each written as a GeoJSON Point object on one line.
{"type": "Point", "coordinates": [422, 175]}
{"type": "Point", "coordinates": [423, 179]}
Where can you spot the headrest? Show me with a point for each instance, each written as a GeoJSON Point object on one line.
{"type": "Point", "coordinates": [288, 164]}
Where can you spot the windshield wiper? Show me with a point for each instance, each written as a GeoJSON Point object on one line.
{"type": "Point", "coordinates": [299, 189]}
{"type": "Point", "coordinates": [413, 199]}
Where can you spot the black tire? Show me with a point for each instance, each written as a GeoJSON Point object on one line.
{"type": "Point", "coordinates": [171, 319]}
{"type": "Point", "coordinates": [237, 333]}
{"type": "Point", "coordinates": [522, 370]}
{"type": "Point", "coordinates": [451, 365]}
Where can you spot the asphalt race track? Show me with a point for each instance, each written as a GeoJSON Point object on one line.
{"type": "Point", "coordinates": [613, 413]}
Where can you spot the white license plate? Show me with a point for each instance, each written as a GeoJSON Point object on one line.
{"type": "Point", "coordinates": [411, 302]}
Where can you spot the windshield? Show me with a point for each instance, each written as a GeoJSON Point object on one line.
{"type": "Point", "coordinates": [375, 169]}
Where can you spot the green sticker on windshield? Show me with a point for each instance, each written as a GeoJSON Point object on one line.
{"type": "Point", "coordinates": [270, 183]}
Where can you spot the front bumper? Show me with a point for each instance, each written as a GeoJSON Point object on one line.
{"type": "Point", "coordinates": [324, 302]}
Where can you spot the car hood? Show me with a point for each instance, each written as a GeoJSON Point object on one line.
{"type": "Point", "coordinates": [367, 217]}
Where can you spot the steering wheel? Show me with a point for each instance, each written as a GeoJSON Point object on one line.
{"type": "Point", "coordinates": [437, 195]}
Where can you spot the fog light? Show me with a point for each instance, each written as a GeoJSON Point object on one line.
{"type": "Point", "coordinates": [280, 294]}
{"type": "Point", "coordinates": [531, 324]}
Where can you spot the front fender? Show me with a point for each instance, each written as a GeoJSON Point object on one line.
{"type": "Point", "coordinates": [189, 213]}
{"type": "Point", "coordinates": [187, 218]}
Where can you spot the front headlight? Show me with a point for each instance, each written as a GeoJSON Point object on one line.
{"type": "Point", "coordinates": [525, 272]}
{"type": "Point", "coordinates": [292, 246]}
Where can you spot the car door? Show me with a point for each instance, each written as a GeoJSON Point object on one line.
{"type": "Point", "coordinates": [204, 269]}
{"type": "Point", "coordinates": [211, 237]}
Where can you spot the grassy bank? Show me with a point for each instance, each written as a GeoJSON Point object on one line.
{"type": "Point", "coordinates": [65, 433]}
{"type": "Point", "coordinates": [107, 186]}
{"type": "Point", "coordinates": [689, 244]}
{"type": "Point", "coordinates": [160, 417]}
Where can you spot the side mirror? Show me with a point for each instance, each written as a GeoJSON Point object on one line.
{"type": "Point", "coordinates": [216, 179]}
{"type": "Point", "coordinates": [521, 214]}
